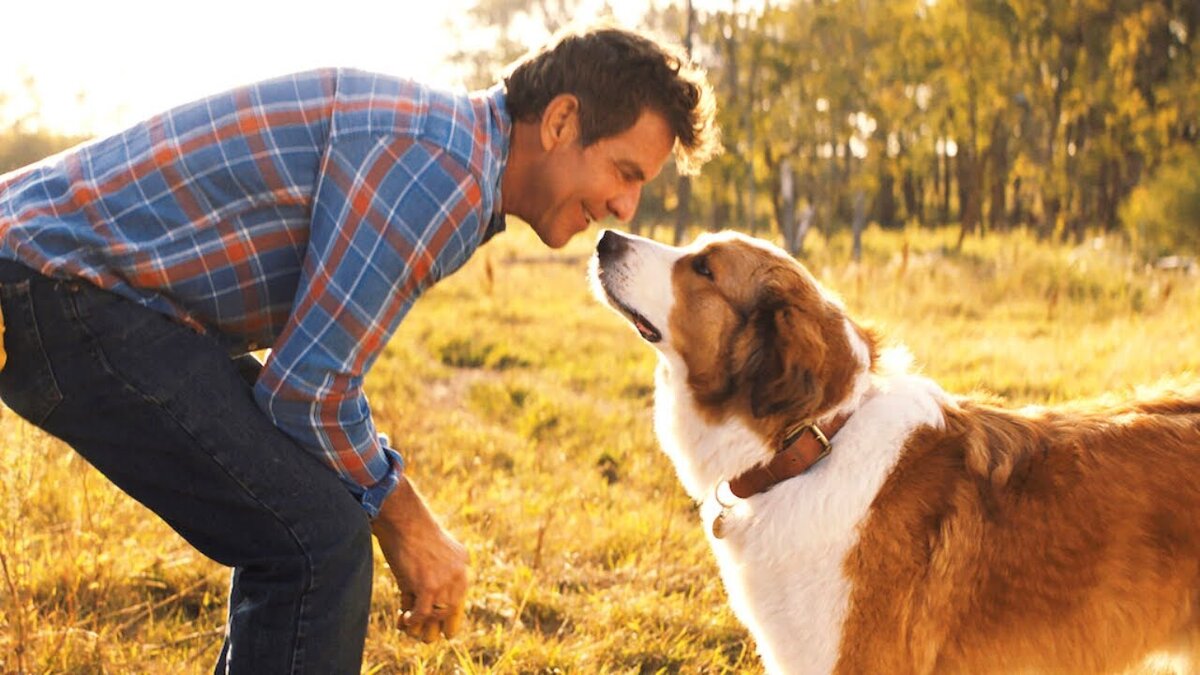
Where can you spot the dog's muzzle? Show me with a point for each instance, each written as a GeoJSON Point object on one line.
{"type": "Point", "coordinates": [609, 251]}
{"type": "Point", "coordinates": [611, 245]}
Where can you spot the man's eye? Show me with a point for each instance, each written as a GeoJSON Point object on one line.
{"type": "Point", "coordinates": [700, 266]}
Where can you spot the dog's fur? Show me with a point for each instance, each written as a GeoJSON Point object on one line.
{"type": "Point", "coordinates": [941, 534]}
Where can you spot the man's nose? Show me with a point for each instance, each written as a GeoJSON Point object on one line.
{"type": "Point", "coordinates": [624, 205]}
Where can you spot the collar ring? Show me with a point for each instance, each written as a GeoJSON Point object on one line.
{"type": "Point", "coordinates": [724, 495]}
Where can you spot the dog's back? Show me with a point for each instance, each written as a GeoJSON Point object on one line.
{"type": "Point", "coordinates": [1063, 541]}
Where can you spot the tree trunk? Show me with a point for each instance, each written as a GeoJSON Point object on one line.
{"type": "Point", "coordinates": [1110, 195]}
{"type": "Point", "coordinates": [937, 186]}
{"type": "Point", "coordinates": [683, 210]}
{"type": "Point", "coordinates": [808, 216]}
{"type": "Point", "coordinates": [998, 175]}
{"type": "Point", "coordinates": [786, 209]}
{"type": "Point", "coordinates": [1051, 195]}
{"type": "Point", "coordinates": [719, 215]}
{"type": "Point", "coordinates": [968, 192]}
{"type": "Point", "coordinates": [911, 188]}
{"type": "Point", "coordinates": [1051, 205]}
{"type": "Point", "coordinates": [947, 161]}
{"type": "Point", "coordinates": [683, 190]}
{"type": "Point", "coordinates": [858, 224]}
{"type": "Point", "coordinates": [886, 211]}
{"type": "Point", "coordinates": [748, 127]}
{"type": "Point", "coordinates": [1017, 217]}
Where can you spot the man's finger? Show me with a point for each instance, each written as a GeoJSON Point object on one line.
{"type": "Point", "coordinates": [411, 627]}
{"type": "Point", "coordinates": [452, 625]}
{"type": "Point", "coordinates": [422, 610]}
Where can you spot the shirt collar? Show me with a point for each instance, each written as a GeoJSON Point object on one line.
{"type": "Point", "coordinates": [501, 139]}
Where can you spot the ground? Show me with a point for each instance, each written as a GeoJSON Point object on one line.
{"type": "Point", "coordinates": [523, 408]}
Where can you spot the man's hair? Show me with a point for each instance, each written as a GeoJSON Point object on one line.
{"type": "Point", "coordinates": [616, 74]}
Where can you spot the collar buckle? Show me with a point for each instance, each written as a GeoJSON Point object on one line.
{"type": "Point", "coordinates": [795, 432]}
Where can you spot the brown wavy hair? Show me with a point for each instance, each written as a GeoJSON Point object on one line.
{"type": "Point", "coordinates": [616, 74]}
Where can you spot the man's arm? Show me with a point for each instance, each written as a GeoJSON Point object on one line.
{"type": "Point", "coordinates": [386, 210]}
{"type": "Point", "coordinates": [429, 565]}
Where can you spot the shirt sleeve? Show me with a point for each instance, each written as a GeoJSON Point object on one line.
{"type": "Point", "coordinates": [387, 211]}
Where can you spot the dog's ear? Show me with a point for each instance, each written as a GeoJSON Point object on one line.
{"type": "Point", "coordinates": [784, 369]}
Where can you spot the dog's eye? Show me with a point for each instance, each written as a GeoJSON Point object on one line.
{"type": "Point", "coordinates": [700, 266]}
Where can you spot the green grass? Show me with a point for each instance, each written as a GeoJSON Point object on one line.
{"type": "Point", "coordinates": [524, 410]}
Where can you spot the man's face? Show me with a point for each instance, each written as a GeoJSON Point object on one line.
{"type": "Point", "coordinates": [579, 185]}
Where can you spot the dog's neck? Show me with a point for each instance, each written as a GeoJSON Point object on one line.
{"type": "Point", "coordinates": [707, 453]}
{"type": "Point", "coordinates": [801, 449]}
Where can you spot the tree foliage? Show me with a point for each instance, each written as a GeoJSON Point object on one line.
{"type": "Point", "coordinates": [23, 140]}
{"type": "Point", "coordinates": [21, 147]}
{"type": "Point", "coordinates": [988, 114]}
{"type": "Point", "coordinates": [991, 114]}
{"type": "Point", "coordinates": [1163, 213]}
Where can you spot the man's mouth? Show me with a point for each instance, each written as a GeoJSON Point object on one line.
{"type": "Point", "coordinates": [646, 329]}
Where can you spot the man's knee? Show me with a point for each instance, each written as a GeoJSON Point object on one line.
{"type": "Point", "coordinates": [342, 540]}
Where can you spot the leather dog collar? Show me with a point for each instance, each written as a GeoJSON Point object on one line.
{"type": "Point", "coordinates": [803, 447]}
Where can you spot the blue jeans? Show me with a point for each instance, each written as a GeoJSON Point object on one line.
{"type": "Point", "coordinates": [168, 416]}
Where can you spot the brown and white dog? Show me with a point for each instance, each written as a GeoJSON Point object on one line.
{"type": "Point", "coordinates": [939, 534]}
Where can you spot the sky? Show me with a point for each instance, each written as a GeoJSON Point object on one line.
{"type": "Point", "coordinates": [132, 58]}
{"type": "Point", "coordinates": [100, 65]}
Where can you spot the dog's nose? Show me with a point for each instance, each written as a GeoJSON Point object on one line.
{"type": "Point", "coordinates": [611, 244]}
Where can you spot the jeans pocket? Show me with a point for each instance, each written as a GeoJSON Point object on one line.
{"type": "Point", "coordinates": [27, 384]}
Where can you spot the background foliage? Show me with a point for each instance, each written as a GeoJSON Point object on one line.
{"type": "Point", "coordinates": [985, 114]}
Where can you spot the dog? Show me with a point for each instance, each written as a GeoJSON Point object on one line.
{"type": "Point", "coordinates": [866, 521]}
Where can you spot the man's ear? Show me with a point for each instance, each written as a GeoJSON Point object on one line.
{"type": "Point", "coordinates": [560, 121]}
{"type": "Point", "coordinates": [784, 369]}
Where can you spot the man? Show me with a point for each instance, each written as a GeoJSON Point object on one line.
{"type": "Point", "coordinates": [304, 214]}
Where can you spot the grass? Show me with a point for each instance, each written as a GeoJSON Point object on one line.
{"type": "Point", "coordinates": [524, 410]}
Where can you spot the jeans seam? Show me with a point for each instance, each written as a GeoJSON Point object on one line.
{"type": "Point", "coordinates": [106, 364]}
{"type": "Point", "coordinates": [25, 288]}
{"type": "Point", "coordinates": [97, 350]}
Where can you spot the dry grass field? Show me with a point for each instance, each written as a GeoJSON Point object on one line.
{"type": "Point", "coordinates": [523, 408]}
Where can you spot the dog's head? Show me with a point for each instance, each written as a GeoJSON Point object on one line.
{"type": "Point", "coordinates": [754, 331]}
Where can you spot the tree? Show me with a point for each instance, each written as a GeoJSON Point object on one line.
{"type": "Point", "coordinates": [1162, 216]}
{"type": "Point", "coordinates": [988, 113]}
{"type": "Point", "coordinates": [503, 19]}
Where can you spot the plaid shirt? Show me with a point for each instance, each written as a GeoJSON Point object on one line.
{"type": "Point", "coordinates": [304, 213]}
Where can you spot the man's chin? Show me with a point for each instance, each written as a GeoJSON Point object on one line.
{"type": "Point", "coordinates": [555, 237]}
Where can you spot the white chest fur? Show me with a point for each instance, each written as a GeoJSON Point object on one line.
{"type": "Point", "coordinates": [781, 558]}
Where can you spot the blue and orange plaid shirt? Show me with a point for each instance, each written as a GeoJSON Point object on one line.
{"type": "Point", "coordinates": [304, 214]}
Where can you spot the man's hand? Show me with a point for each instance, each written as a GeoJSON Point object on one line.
{"type": "Point", "coordinates": [429, 565]}
{"type": "Point", "coordinates": [3, 356]}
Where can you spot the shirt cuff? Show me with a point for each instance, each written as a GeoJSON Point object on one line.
{"type": "Point", "coordinates": [372, 498]}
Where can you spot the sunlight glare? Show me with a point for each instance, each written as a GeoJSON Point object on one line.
{"type": "Point", "coordinates": [96, 67]}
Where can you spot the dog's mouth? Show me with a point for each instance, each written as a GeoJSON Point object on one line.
{"type": "Point", "coordinates": [644, 328]}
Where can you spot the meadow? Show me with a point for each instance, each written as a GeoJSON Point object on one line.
{"type": "Point", "coordinates": [524, 410]}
